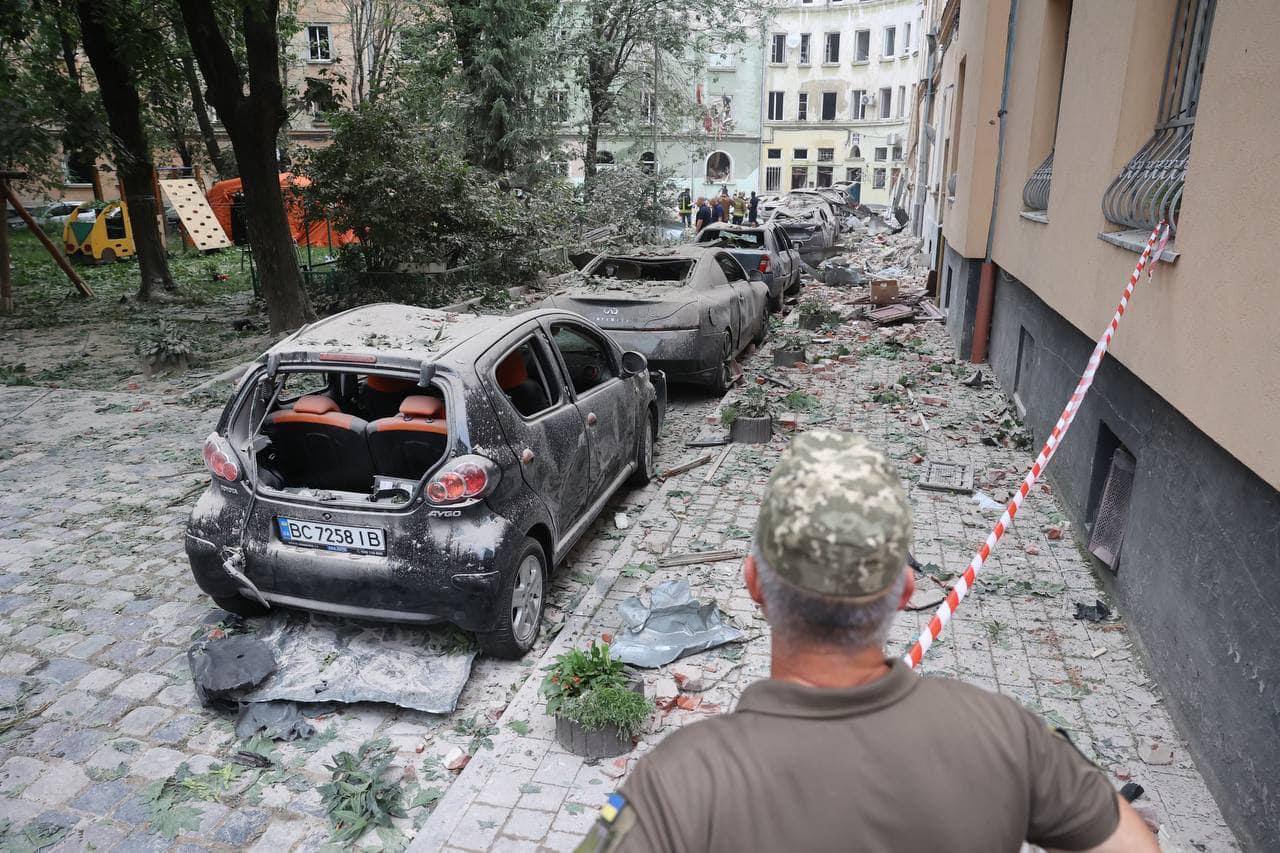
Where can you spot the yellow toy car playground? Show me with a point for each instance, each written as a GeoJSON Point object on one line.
{"type": "Point", "coordinates": [108, 237]}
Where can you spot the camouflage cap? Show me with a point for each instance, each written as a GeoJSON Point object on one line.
{"type": "Point", "coordinates": [835, 518]}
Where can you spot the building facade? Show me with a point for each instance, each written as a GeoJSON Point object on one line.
{"type": "Point", "coordinates": [839, 79]}
{"type": "Point", "coordinates": [1049, 164]}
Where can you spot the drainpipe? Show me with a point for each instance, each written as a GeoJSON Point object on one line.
{"type": "Point", "coordinates": [987, 278]}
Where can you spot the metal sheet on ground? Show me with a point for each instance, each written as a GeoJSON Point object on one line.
{"type": "Point", "coordinates": [195, 213]}
{"type": "Point", "coordinates": [325, 659]}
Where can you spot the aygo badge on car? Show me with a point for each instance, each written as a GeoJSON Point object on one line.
{"type": "Point", "coordinates": [401, 464]}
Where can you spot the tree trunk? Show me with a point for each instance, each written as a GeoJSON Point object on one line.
{"type": "Point", "coordinates": [211, 146]}
{"type": "Point", "coordinates": [72, 64]}
{"type": "Point", "coordinates": [133, 152]}
{"type": "Point", "coordinates": [252, 115]}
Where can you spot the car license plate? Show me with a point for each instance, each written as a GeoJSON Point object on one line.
{"type": "Point", "coordinates": [333, 537]}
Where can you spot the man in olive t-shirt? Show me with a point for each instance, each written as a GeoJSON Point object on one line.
{"type": "Point", "coordinates": [842, 749]}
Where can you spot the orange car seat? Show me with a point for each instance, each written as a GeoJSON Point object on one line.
{"type": "Point", "coordinates": [381, 396]}
{"type": "Point", "coordinates": [315, 444]}
{"type": "Point", "coordinates": [410, 443]}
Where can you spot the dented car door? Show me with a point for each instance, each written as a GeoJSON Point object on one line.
{"type": "Point", "coordinates": [606, 402]}
{"type": "Point", "coordinates": [542, 425]}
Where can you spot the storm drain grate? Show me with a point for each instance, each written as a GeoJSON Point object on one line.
{"type": "Point", "coordinates": [1113, 509]}
{"type": "Point", "coordinates": [947, 477]}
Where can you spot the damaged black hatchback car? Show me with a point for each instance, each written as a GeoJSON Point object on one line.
{"type": "Point", "coordinates": [401, 464]}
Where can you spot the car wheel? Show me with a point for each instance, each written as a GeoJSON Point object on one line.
{"type": "Point", "coordinates": [645, 466]}
{"type": "Point", "coordinates": [241, 606]}
{"type": "Point", "coordinates": [520, 602]}
{"type": "Point", "coordinates": [723, 378]}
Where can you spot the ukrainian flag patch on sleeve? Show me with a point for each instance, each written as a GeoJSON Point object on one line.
{"type": "Point", "coordinates": [613, 807]}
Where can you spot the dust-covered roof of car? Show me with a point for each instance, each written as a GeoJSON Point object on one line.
{"type": "Point", "coordinates": [388, 329]}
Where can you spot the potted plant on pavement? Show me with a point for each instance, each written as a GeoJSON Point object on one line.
{"type": "Point", "coordinates": [750, 419]}
{"type": "Point", "coordinates": [790, 350]}
{"type": "Point", "coordinates": [600, 709]}
{"type": "Point", "coordinates": [165, 347]}
{"type": "Point", "coordinates": [816, 315]}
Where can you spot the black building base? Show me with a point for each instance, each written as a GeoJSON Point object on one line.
{"type": "Point", "coordinates": [1198, 572]}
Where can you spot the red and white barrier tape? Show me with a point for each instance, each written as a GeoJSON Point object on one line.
{"type": "Point", "coordinates": [1155, 245]}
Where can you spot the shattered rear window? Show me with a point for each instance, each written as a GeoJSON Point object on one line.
{"type": "Point", "coordinates": [632, 269]}
{"type": "Point", "coordinates": [734, 239]}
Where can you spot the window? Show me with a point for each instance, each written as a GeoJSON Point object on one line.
{"type": "Point", "coordinates": [775, 106]}
{"type": "Point", "coordinates": [778, 49]}
{"type": "Point", "coordinates": [523, 376]}
{"type": "Point", "coordinates": [318, 43]}
{"type": "Point", "coordinates": [906, 38]}
{"type": "Point", "coordinates": [558, 104]}
{"type": "Point", "coordinates": [858, 104]}
{"type": "Point", "coordinates": [826, 155]}
{"type": "Point", "coordinates": [890, 42]}
{"type": "Point", "coordinates": [774, 153]}
{"type": "Point", "coordinates": [804, 48]}
{"type": "Point", "coordinates": [719, 167]}
{"type": "Point", "coordinates": [588, 360]}
{"type": "Point", "coordinates": [802, 106]}
{"type": "Point", "coordinates": [79, 168]}
{"type": "Point", "coordinates": [800, 154]}
{"type": "Point", "coordinates": [882, 154]}
{"type": "Point", "coordinates": [1149, 187]}
{"type": "Point", "coordinates": [731, 268]}
{"type": "Point", "coordinates": [1035, 192]}
{"type": "Point", "coordinates": [886, 102]}
{"type": "Point", "coordinates": [772, 178]}
{"type": "Point", "coordinates": [799, 177]}
{"type": "Point", "coordinates": [902, 101]}
{"type": "Point", "coordinates": [853, 175]}
{"type": "Point", "coordinates": [862, 45]}
{"type": "Point", "coordinates": [832, 53]}
{"type": "Point", "coordinates": [855, 152]}
{"type": "Point", "coordinates": [648, 163]}
{"type": "Point", "coordinates": [897, 152]}
{"type": "Point", "coordinates": [828, 106]}
{"type": "Point", "coordinates": [825, 175]}
{"type": "Point", "coordinates": [877, 179]}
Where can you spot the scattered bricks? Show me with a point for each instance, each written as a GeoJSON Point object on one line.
{"type": "Point", "coordinates": [688, 703]}
{"type": "Point", "coordinates": [141, 686]}
{"type": "Point", "coordinates": [1053, 534]}
{"type": "Point", "coordinates": [99, 679]}
{"type": "Point", "coordinates": [789, 420]}
{"type": "Point", "coordinates": [456, 759]}
{"type": "Point", "coordinates": [615, 768]}
{"type": "Point", "coordinates": [1032, 550]}
{"type": "Point", "coordinates": [689, 677]}
{"type": "Point", "coordinates": [140, 721]}
{"type": "Point", "coordinates": [665, 688]}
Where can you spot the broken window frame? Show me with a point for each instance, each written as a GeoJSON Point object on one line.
{"type": "Point", "coordinates": [1149, 187]}
{"type": "Point", "coordinates": [878, 178]}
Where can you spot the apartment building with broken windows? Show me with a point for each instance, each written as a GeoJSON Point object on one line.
{"type": "Point", "coordinates": [1041, 178]}
{"type": "Point", "coordinates": [840, 77]}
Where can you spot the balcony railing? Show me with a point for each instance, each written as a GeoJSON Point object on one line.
{"type": "Point", "coordinates": [1035, 195]}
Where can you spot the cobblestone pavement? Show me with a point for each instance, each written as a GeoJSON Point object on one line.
{"type": "Point", "coordinates": [98, 608]}
{"type": "Point", "coordinates": [1015, 634]}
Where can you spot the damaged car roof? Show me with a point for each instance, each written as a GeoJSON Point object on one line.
{"type": "Point", "coordinates": [392, 330]}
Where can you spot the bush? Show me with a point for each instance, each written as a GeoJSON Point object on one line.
{"type": "Point", "coordinates": [579, 671]}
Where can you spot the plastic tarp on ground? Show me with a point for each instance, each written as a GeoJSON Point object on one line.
{"type": "Point", "coordinates": [672, 625]}
{"type": "Point", "coordinates": [305, 233]}
{"type": "Point", "coordinates": [323, 659]}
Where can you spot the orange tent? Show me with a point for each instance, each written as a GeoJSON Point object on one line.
{"type": "Point", "coordinates": [305, 233]}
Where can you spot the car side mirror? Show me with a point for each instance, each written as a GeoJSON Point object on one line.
{"type": "Point", "coordinates": [633, 363]}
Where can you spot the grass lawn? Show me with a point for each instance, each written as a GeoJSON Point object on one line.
{"type": "Point", "coordinates": [56, 337]}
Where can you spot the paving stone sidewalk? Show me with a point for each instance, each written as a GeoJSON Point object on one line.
{"type": "Point", "coordinates": [1015, 634]}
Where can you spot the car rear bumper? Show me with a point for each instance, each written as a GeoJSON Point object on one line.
{"type": "Point", "coordinates": [435, 569]}
{"type": "Point", "coordinates": [685, 355]}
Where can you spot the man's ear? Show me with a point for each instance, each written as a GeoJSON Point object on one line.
{"type": "Point", "coordinates": [908, 589]}
{"type": "Point", "coordinates": [751, 575]}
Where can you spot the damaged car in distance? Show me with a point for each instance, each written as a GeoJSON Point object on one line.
{"type": "Point", "coordinates": [401, 464]}
{"type": "Point", "coordinates": [690, 310]}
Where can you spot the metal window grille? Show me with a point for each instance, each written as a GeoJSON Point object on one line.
{"type": "Point", "coordinates": [1113, 509]}
{"type": "Point", "coordinates": [1149, 188]}
{"type": "Point", "coordinates": [1035, 195]}
{"type": "Point", "coordinates": [772, 178]}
